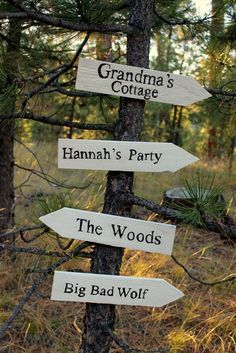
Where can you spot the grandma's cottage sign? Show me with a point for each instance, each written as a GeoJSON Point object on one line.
{"type": "Point", "coordinates": [138, 83]}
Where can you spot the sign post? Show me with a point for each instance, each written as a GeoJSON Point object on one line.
{"type": "Point", "coordinates": [138, 83]}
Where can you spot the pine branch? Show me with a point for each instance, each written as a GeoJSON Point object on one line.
{"type": "Point", "coordinates": [225, 230]}
{"type": "Point", "coordinates": [57, 122]}
{"type": "Point", "coordinates": [26, 14]}
{"type": "Point", "coordinates": [63, 69]}
{"type": "Point", "coordinates": [220, 91]}
{"type": "Point", "coordinates": [65, 92]}
{"type": "Point", "coordinates": [184, 21]}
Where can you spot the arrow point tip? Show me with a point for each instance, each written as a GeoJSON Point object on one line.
{"type": "Point", "coordinates": [43, 219]}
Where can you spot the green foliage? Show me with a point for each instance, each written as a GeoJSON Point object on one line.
{"type": "Point", "coordinates": [7, 90]}
{"type": "Point", "coordinates": [57, 200]}
{"type": "Point", "coordinates": [53, 203]}
{"type": "Point", "coordinates": [204, 200]}
{"type": "Point", "coordinates": [7, 94]}
{"type": "Point", "coordinates": [64, 9]}
{"type": "Point", "coordinates": [100, 11]}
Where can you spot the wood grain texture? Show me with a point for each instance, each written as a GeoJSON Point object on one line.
{"type": "Point", "coordinates": [111, 230]}
{"type": "Point", "coordinates": [138, 83]}
{"type": "Point", "coordinates": [122, 156]}
{"type": "Point", "coordinates": [108, 259]}
{"type": "Point", "coordinates": [107, 289]}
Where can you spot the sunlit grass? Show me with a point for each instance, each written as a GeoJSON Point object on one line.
{"type": "Point", "coordinates": [203, 321]}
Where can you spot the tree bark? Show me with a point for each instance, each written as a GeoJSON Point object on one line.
{"type": "Point", "coordinates": [216, 29]}
{"type": "Point", "coordinates": [231, 153]}
{"type": "Point", "coordinates": [7, 129]}
{"type": "Point", "coordinates": [106, 259]}
{"type": "Point", "coordinates": [177, 139]}
{"type": "Point", "coordinates": [71, 118]}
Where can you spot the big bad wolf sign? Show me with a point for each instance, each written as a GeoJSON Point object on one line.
{"type": "Point", "coordinates": [107, 289]}
{"type": "Point", "coordinates": [139, 83]}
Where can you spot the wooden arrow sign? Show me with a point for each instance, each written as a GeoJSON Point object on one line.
{"type": "Point", "coordinates": [112, 230]}
{"type": "Point", "coordinates": [106, 289]}
{"type": "Point", "coordinates": [122, 155]}
{"type": "Point", "coordinates": [135, 82]}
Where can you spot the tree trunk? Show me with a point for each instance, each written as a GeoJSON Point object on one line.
{"type": "Point", "coordinates": [231, 153]}
{"type": "Point", "coordinates": [105, 259]}
{"type": "Point", "coordinates": [216, 29]}
{"type": "Point", "coordinates": [103, 46]}
{"type": "Point", "coordinates": [7, 129]}
{"type": "Point", "coordinates": [71, 118]}
{"type": "Point", "coordinates": [212, 142]}
{"type": "Point", "coordinates": [177, 139]}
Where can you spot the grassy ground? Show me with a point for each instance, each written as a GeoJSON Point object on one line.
{"type": "Point", "coordinates": [203, 321]}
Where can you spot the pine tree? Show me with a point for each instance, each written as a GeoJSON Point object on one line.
{"type": "Point", "coordinates": [8, 73]}
{"type": "Point", "coordinates": [135, 19]}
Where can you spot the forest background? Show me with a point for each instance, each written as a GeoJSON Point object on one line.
{"type": "Point", "coordinates": [39, 104]}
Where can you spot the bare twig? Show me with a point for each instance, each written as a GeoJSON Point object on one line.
{"type": "Point", "coordinates": [19, 186]}
{"type": "Point", "coordinates": [45, 176]}
{"type": "Point", "coordinates": [31, 152]}
{"type": "Point", "coordinates": [126, 348]}
{"type": "Point", "coordinates": [4, 328]}
{"type": "Point", "coordinates": [153, 206]}
{"type": "Point", "coordinates": [51, 180]}
{"type": "Point", "coordinates": [229, 278]}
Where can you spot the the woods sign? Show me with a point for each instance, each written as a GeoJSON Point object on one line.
{"type": "Point", "coordinates": [112, 230]}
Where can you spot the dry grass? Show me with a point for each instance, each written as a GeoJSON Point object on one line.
{"type": "Point", "coordinates": [204, 321]}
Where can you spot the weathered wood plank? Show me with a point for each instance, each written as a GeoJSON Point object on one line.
{"type": "Point", "coordinates": [108, 289]}
{"type": "Point", "coordinates": [122, 155]}
{"type": "Point", "coordinates": [112, 230]}
{"type": "Point", "coordinates": [139, 83]}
